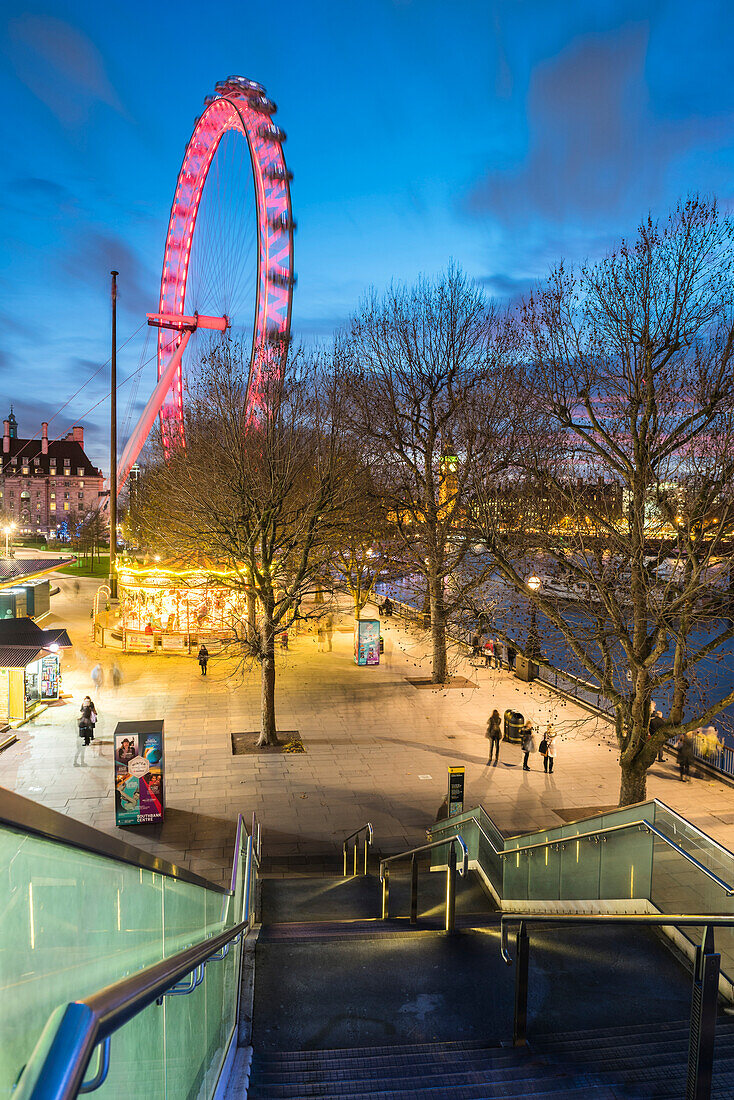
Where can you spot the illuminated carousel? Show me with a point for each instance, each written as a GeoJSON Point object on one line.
{"type": "Point", "coordinates": [170, 608]}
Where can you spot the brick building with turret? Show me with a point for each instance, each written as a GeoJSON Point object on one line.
{"type": "Point", "coordinates": [45, 483]}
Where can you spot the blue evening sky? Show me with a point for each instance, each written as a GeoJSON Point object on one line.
{"type": "Point", "coordinates": [502, 134]}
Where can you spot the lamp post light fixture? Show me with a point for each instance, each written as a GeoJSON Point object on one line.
{"type": "Point", "coordinates": [8, 531]}
{"type": "Point", "coordinates": [533, 643]}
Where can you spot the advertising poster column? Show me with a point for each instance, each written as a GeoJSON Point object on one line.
{"type": "Point", "coordinates": [367, 642]}
{"type": "Point", "coordinates": [139, 767]}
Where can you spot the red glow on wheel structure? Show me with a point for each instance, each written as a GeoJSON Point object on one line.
{"type": "Point", "coordinates": [239, 105]}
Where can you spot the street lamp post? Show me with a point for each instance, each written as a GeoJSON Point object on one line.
{"type": "Point", "coordinates": [533, 643]}
{"type": "Point", "coordinates": [8, 531]}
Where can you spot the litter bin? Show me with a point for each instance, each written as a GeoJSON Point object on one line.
{"type": "Point", "coordinates": [525, 669]}
{"type": "Point", "coordinates": [513, 724]}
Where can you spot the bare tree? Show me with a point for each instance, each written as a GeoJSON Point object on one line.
{"type": "Point", "coordinates": [258, 498]}
{"type": "Point", "coordinates": [628, 457]}
{"type": "Point", "coordinates": [424, 367]}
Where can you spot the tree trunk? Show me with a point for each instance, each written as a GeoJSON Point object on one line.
{"type": "Point", "coordinates": [633, 785]}
{"type": "Point", "coordinates": [357, 609]}
{"type": "Point", "coordinates": [438, 635]}
{"type": "Point", "coordinates": [268, 732]}
{"type": "Point", "coordinates": [251, 624]}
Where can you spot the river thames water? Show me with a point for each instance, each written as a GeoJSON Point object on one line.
{"type": "Point", "coordinates": [711, 678]}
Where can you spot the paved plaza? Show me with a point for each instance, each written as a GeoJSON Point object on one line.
{"type": "Point", "coordinates": [377, 749]}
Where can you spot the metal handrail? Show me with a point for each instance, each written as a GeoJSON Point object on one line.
{"type": "Point", "coordinates": [450, 877]}
{"type": "Point", "coordinates": [368, 835]}
{"type": "Point", "coordinates": [426, 848]}
{"type": "Point", "coordinates": [662, 920]}
{"type": "Point", "coordinates": [727, 887]}
{"type": "Point", "coordinates": [367, 826]}
{"type": "Point", "coordinates": [74, 1030]}
{"type": "Point", "coordinates": [689, 825]}
{"type": "Point", "coordinates": [56, 1068]}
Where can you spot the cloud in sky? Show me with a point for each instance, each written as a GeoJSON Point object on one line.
{"type": "Point", "coordinates": [597, 150]}
{"type": "Point", "coordinates": [95, 253]}
{"type": "Point", "coordinates": [60, 66]}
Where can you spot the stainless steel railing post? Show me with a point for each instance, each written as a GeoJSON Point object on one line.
{"type": "Point", "coordinates": [385, 892]}
{"type": "Point", "coordinates": [414, 891]}
{"type": "Point", "coordinates": [451, 889]}
{"type": "Point", "coordinates": [522, 958]}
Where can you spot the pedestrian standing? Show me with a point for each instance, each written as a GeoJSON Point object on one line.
{"type": "Point", "coordinates": [476, 647]}
{"type": "Point", "coordinates": [329, 630]}
{"type": "Point", "coordinates": [511, 655]}
{"type": "Point", "coordinates": [685, 756]}
{"type": "Point", "coordinates": [656, 721]}
{"type": "Point", "coordinates": [387, 607]}
{"type": "Point", "coordinates": [321, 631]}
{"type": "Point", "coordinates": [488, 652]}
{"type": "Point", "coordinates": [494, 734]}
{"type": "Point", "coordinates": [527, 743]}
{"type": "Point", "coordinates": [549, 749]}
{"type": "Point", "coordinates": [85, 730]}
{"type": "Point", "coordinates": [203, 658]}
{"type": "Point", "coordinates": [97, 675]}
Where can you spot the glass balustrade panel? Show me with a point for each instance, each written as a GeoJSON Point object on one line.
{"type": "Point", "coordinates": [544, 873]}
{"type": "Point", "coordinates": [580, 869]}
{"type": "Point", "coordinates": [74, 922]}
{"type": "Point", "coordinates": [626, 864]}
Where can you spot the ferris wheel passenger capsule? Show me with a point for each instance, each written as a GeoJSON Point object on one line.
{"type": "Point", "coordinates": [282, 278]}
{"type": "Point", "coordinates": [263, 105]}
{"type": "Point", "coordinates": [272, 133]}
{"type": "Point", "coordinates": [278, 172]}
{"type": "Point", "coordinates": [282, 221]}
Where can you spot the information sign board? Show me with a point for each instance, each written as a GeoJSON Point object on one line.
{"type": "Point", "coordinates": [456, 791]}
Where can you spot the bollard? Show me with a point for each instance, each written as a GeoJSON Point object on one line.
{"type": "Point", "coordinates": [385, 892]}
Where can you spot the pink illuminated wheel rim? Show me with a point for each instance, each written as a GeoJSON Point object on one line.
{"type": "Point", "coordinates": [229, 247]}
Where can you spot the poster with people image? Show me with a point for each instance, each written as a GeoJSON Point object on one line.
{"type": "Point", "coordinates": [138, 751]}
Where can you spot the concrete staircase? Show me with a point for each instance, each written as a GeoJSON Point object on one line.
{"type": "Point", "coordinates": [347, 1005]}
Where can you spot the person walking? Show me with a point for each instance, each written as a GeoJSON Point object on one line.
{"type": "Point", "coordinates": [97, 675]}
{"type": "Point", "coordinates": [329, 631]}
{"type": "Point", "coordinates": [116, 675]}
{"type": "Point", "coordinates": [549, 749]}
{"type": "Point", "coordinates": [203, 658]}
{"type": "Point", "coordinates": [685, 756]}
{"type": "Point", "coordinates": [321, 631]}
{"type": "Point", "coordinates": [527, 743]}
{"type": "Point", "coordinates": [494, 735]}
{"type": "Point", "coordinates": [85, 730]}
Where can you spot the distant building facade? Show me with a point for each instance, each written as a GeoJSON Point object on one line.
{"type": "Point", "coordinates": [45, 483]}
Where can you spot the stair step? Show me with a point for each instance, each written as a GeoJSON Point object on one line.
{"type": "Point", "coordinates": [571, 1086]}
{"type": "Point", "coordinates": [400, 1064]}
{"type": "Point", "coordinates": [385, 1050]}
{"type": "Point", "coordinates": [367, 927]}
{"type": "Point", "coordinates": [410, 1076]}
